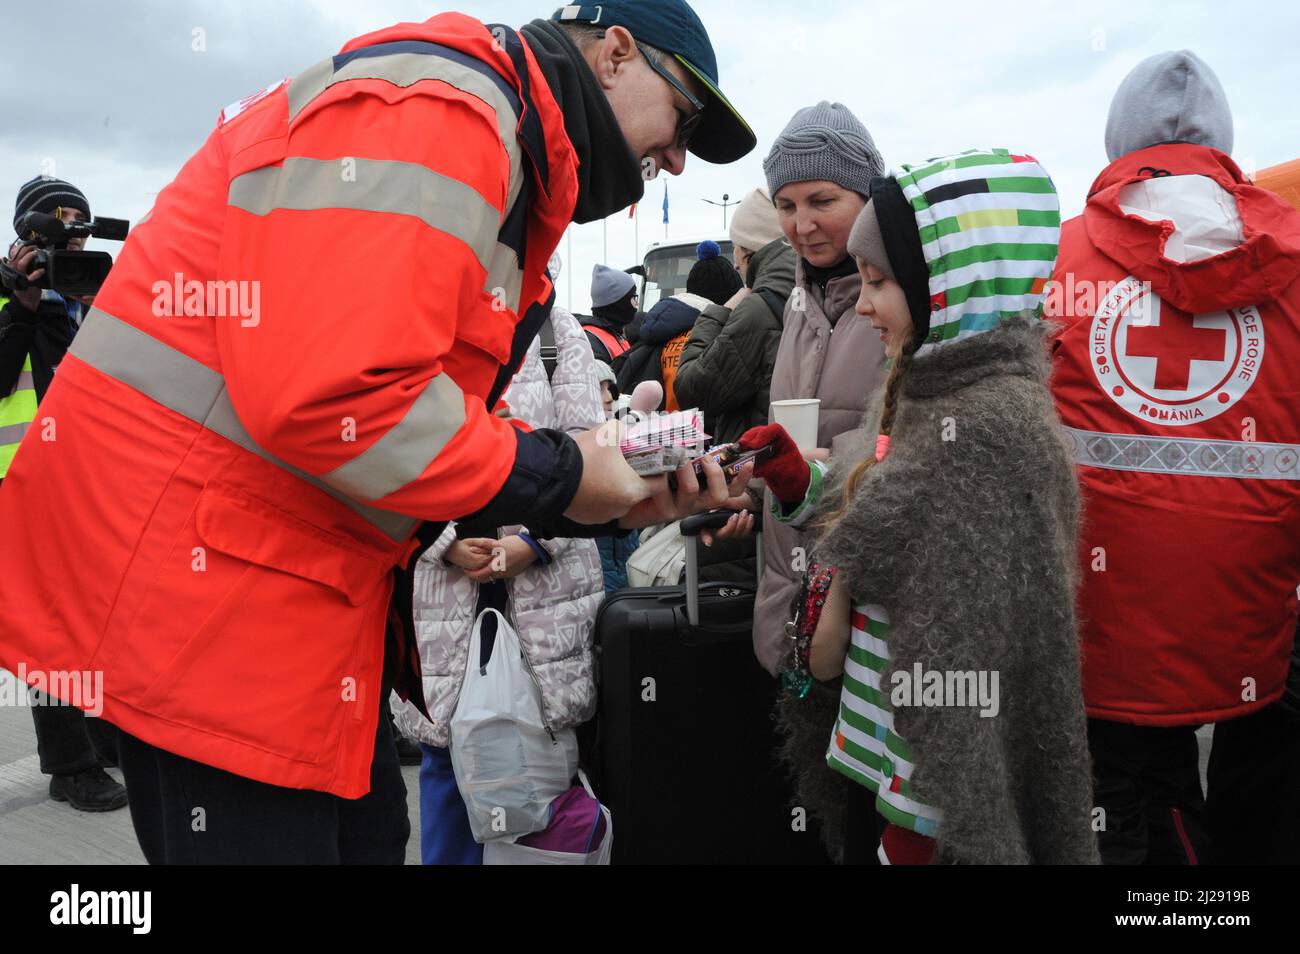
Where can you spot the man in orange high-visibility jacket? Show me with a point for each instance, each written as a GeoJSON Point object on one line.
{"type": "Point", "coordinates": [290, 367]}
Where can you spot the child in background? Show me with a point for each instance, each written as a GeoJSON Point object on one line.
{"type": "Point", "coordinates": [548, 588]}
{"type": "Point", "coordinates": [949, 551]}
{"type": "Point", "coordinates": [608, 388]}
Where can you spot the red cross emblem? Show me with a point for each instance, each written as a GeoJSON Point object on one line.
{"type": "Point", "coordinates": [1175, 343]}
{"type": "Point", "coordinates": [1167, 366]}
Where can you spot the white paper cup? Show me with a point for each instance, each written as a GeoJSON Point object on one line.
{"type": "Point", "coordinates": [799, 418]}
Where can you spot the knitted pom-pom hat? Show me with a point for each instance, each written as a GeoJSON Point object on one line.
{"type": "Point", "coordinates": [713, 276]}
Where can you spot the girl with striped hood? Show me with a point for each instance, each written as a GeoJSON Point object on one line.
{"type": "Point", "coordinates": [941, 593]}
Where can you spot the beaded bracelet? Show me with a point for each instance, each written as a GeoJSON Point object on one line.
{"type": "Point", "coordinates": [808, 604]}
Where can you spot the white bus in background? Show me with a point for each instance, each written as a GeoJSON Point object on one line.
{"type": "Point", "coordinates": [665, 267]}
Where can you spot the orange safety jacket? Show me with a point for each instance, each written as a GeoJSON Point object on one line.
{"type": "Point", "coordinates": [616, 346]}
{"type": "Point", "coordinates": [289, 367]}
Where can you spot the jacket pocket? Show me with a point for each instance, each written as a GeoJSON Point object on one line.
{"type": "Point", "coordinates": [272, 610]}
{"type": "Point", "coordinates": [490, 328]}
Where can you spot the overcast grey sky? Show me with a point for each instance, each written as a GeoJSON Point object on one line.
{"type": "Point", "coordinates": [115, 95]}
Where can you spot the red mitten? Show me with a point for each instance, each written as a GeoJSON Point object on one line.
{"type": "Point", "coordinates": [902, 846]}
{"type": "Point", "coordinates": [785, 471]}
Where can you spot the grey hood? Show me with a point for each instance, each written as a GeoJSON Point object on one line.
{"type": "Point", "coordinates": [1169, 97]}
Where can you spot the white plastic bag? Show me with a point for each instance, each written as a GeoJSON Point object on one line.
{"type": "Point", "coordinates": [508, 764]}
{"type": "Point", "coordinates": [513, 853]}
{"type": "Point", "coordinates": [659, 560]}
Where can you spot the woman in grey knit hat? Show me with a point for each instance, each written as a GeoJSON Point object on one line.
{"type": "Point", "coordinates": [818, 171]}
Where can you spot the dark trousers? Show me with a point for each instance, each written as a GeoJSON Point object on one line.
{"type": "Point", "coordinates": [185, 812]}
{"type": "Point", "coordinates": [1148, 782]}
{"type": "Point", "coordinates": [863, 826]}
{"type": "Point", "coordinates": [67, 739]}
{"type": "Point", "coordinates": [1253, 805]}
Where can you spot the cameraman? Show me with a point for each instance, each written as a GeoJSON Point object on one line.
{"type": "Point", "coordinates": [37, 326]}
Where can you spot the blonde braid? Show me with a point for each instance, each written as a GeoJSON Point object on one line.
{"type": "Point", "coordinates": [893, 385]}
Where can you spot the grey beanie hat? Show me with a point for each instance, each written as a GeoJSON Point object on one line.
{"type": "Point", "coordinates": [867, 242]}
{"type": "Point", "coordinates": [608, 285]}
{"type": "Point", "coordinates": [1169, 97]}
{"type": "Point", "coordinates": [604, 373]}
{"type": "Point", "coordinates": [825, 141]}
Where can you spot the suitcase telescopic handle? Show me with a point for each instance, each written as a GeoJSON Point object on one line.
{"type": "Point", "coordinates": [690, 529]}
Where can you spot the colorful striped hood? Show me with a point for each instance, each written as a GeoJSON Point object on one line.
{"type": "Point", "coordinates": [990, 223]}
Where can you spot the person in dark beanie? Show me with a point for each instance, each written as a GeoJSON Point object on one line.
{"type": "Point", "coordinates": [48, 194]}
{"type": "Point", "coordinates": [37, 325]}
{"type": "Point", "coordinates": [613, 305]}
{"type": "Point", "coordinates": [713, 276]}
{"type": "Point", "coordinates": [36, 328]}
{"type": "Point", "coordinates": [667, 326]}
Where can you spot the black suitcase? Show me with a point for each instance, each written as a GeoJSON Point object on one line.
{"type": "Point", "coordinates": [685, 740]}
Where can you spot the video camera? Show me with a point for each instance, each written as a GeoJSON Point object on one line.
{"type": "Point", "coordinates": [67, 272]}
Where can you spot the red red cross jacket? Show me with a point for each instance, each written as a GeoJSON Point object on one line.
{"type": "Point", "coordinates": [1176, 376]}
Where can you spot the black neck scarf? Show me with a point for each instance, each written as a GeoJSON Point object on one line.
{"type": "Point", "coordinates": [822, 276]}
{"type": "Point", "coordinates": [609, 176]}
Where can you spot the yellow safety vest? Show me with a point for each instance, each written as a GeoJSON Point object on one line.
{"type": "Point", "coordinates": [17, 411]}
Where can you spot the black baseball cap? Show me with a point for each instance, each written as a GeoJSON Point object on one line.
{"type": "Point", "coordinates": [672, 26]}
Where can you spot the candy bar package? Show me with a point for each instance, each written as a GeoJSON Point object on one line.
{"type": "Point", "coordinates": [660, 443]}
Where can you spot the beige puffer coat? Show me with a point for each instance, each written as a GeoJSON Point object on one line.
{"type": "Point", "coordinates": [827, 351]}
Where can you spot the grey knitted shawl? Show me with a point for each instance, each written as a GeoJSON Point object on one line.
{"type": "Point", "coordinates": [966, 534]}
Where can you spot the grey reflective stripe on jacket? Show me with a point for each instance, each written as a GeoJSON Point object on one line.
{"type": "Point", "coordinates": [504, 276]}
{"type": "Point", "coordinates": [408, 448]}
{"type": "Point", "coordinates": [13, 433]}
{"type": "Point", "coordinates": [192, 389]}
{"type": "Point", "coordinates": [441, 202]}
{"type": "Point", "coordinates": [379, 185]}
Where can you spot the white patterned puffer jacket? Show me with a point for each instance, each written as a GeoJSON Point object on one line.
{"type": "Point", "coordinates": [553, 608]}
